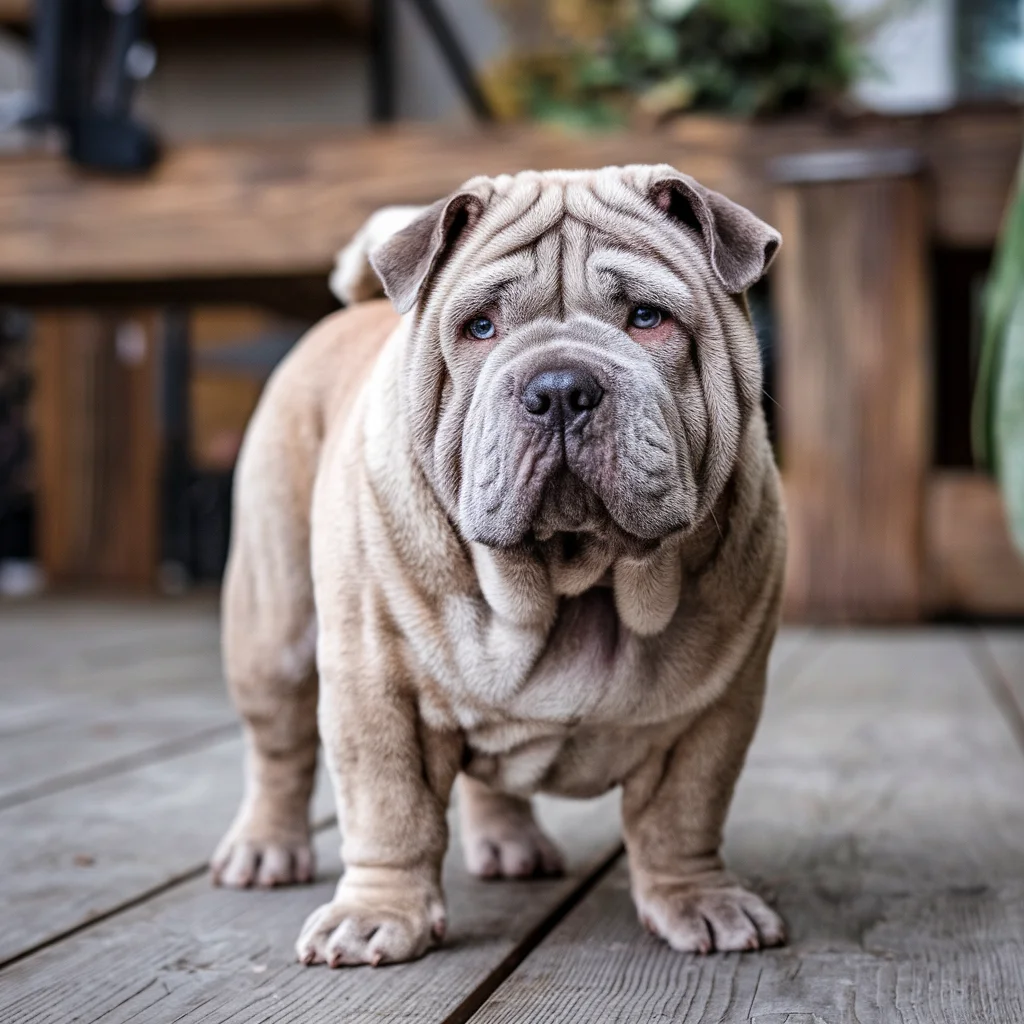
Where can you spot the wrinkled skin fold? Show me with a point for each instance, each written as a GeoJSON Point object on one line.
{"type": "Point", "coordinates": [521, 533]}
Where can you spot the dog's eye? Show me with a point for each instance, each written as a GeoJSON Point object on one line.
{"type": "Point", "coordinates": [480, 328]}
{"type": "Point", "coordinates": [645, 317]}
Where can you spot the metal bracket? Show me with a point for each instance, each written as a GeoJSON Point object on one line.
{"type": "Point", "coordinates": [382, 62]}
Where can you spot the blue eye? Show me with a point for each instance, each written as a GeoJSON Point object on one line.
{"type": "Point", "coordinates": [645, 317]}
{"type": "Point", "coordinates": [480, 328]}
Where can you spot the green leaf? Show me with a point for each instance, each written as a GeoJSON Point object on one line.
{"type": "Point", "coordinates": [998, 413]}
{"type": "Point", "coordinates": [672, 10]}
{"type": "Point", "coordinates": [600, 72]}
{"type": "Point", "coordinates": [658, 43]}
{"type": "Point", "coordinates": [1009, 420]}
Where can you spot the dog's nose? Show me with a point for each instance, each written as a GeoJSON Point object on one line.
{"type": "Point", "coordinates": [564, 396]}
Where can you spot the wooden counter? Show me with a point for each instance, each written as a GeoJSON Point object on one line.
{"type": "Point", "coordinates": [282, 208]}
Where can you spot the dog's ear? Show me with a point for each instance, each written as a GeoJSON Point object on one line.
{"type": "Point", "coordinates": [405, 260]}
{"type": "Point", "coordinates": [740, 246]}
{"type": "Point", "coordinates": [353, 278]}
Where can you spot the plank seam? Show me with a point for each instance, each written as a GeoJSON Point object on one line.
{"type": "Point", "coordinates": [189, 875]}
{"type": "Point", "coordinates": [810, 648]}
{"type": "Point", "coordinates": [474, 1002]}
{"type": "Point", "coordinates": [998, 686]}
{"type": "Point", "coordinates": [115, 766]}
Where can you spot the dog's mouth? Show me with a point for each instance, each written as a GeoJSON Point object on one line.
{"type": "Point", "coordinates": [568, 506]}
{"type": "Point", "coordinates": [563, 498]}
{"type": "Point", "coordinates": [569, 521]}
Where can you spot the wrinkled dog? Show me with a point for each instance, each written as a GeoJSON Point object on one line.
{"type": "Point", "coordinates": [525, 533]}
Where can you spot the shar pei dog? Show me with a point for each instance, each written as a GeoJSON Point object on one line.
{"type": "Point", "coordinates": [518, 530]}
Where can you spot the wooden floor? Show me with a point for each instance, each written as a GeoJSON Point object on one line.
{"type": "Point", "coordinates": [882, 809]}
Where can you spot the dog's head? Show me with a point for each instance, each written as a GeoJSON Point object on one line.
{"type": "Point", "coordinates": [581, 360]}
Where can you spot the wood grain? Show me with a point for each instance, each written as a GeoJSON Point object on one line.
{"type": "Point", "coordinates": [235, 209]}
{"type": "Point", "coordinates": [142, 818]}
{"type": "Point", "coordinates": [881, 806]}
{"type": "Point", "coordinates": [144, 829]}
{"type": "Point", "coordinates": [972, 565]}
{"type": "Point", "coordinates": [98, 446]}
{"type": "Point", "coordinates": [854, 396]}
{"type": "Point", "coordinates": [81, 699]}
{"type": "Point", "coordinates": [197, 954]}
{"type": "Point", "coordinates": [61, 645]}
{"type": "Point", "coordinates": [1001, 658]}
{"type": "Point", "coordinates": [78, 854]}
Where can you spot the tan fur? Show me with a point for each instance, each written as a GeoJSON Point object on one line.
{"type": "Point", "coordinates": [560, 608]}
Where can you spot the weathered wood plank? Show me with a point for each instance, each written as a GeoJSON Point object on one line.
{"type": "Point", "coordinates": [82, 853]}
{"type": "Point", "coordinates": [44, 754]}
{"type": "Point", "coordinates": [794, 647]}
{"type": "Point", "coordinates": [158, 823]}
{"type": "Point", "coordinates": [203, 955]}
{"type": "Point", "coordinates": [882, 806]}
{"type": "Point", "coordinates": [92, 690]}
{"type": "Point", "coordinates": [38, 637]}
{"type": "Point", "coordinates": [78, 854]}
{"type": "Point", "coordinates": [1001, 658]}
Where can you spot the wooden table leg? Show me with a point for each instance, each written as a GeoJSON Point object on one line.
{"type": "Point", "coordinates": [98, 446]}
{"type": "Point", "coordinates": [854, 386]}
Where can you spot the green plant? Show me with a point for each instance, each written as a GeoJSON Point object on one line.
{"type": "Point", "coordinates": [998, 423]}
{"type": "Point", "coordinates": [652, 58]}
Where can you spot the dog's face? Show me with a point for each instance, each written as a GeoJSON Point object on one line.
{"type": "Point", "coordinates": [581, 359]}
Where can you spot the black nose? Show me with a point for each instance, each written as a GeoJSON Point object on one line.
{"type": "Point", "coordinates": [562, 395]}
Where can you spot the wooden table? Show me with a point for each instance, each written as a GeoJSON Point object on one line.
{"type": "Point", "coordinates": [270, 212]}
{"type": "Point", "coordinates": [880, 809]}
{"type": "Point", "coordinates": [282, 208]}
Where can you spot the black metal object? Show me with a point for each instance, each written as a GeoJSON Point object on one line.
{"type": "Point", "coordinates": [196, 502]}
{"type": "Point", "coordinates": [89, 56]}
{"type": "Point", "coordinates": [383, 60]}
{"type": "Point", "coordinates": [17, 497]}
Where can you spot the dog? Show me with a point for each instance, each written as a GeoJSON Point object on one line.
{"type": "Point", "coordinates": [519, 531]}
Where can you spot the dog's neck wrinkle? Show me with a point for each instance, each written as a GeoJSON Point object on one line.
{"type": "Point", "coordinates": [703, 548]}
{"type": "Point", "coordinates": [528, 585]}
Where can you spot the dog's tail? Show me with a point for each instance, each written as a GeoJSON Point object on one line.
{"type": "Point", "coordinates": [353, 278]}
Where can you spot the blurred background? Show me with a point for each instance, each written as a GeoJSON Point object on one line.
{"type": "Point", "coordinates": [177, 176]}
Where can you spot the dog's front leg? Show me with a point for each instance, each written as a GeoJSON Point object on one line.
{"type": "Point", "coordinates": [392, 777]}
{"type": "Point", "coordinates": [674, 809]}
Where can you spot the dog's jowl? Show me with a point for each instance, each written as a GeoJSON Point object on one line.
{"type": "Point", "coordinates": [520, 530]}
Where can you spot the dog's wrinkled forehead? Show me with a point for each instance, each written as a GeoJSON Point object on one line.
{"type": "Point", "coordinates": [653, 209]}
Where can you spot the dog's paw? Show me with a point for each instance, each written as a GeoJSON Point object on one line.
{"type": "Point", "coordinates": [513, 847]}
{"type": "Point", "coordinates": [362, 926]}
{"type": "Point", "coordinates": [705, 917]}
{"type": "Point", "coordinates": [245, 858]}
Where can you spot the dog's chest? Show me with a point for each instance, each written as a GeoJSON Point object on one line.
{"type": "Point", "coordinates": [493, 672]}
{"type": "Point", "coordinates": [566, 711]}
{"type": "Point", "coordinates": [524, 757]}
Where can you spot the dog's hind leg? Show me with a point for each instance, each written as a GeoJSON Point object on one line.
{"type": "Point", "coordinates": [500, 838]}
{"type": "Point", "coordinates": [269, 649]}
